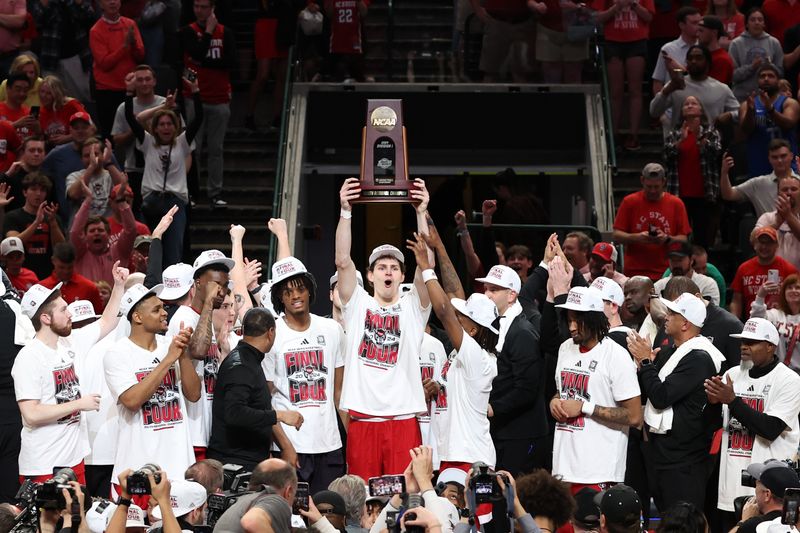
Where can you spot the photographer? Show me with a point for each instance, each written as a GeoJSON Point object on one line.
{"type": "Point", "coordinates": [419, 476]}
{"type": "Point", "coordinates": [48, 519]}
{"type": "Point", "coordinates": [772, 480]}
{"type": "Point", "coordinates": [159, 491]}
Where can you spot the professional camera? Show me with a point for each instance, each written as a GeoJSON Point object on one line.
{"type": "Point", "coordinates": [749, 481]}
{"type": "Point", "coordinates": [32, 496]}
{"type": "Point", "coordinates": [393, 518]}
{"type": "Point", "coordinates": [138, 482]}
{"type": "Point", "coordinates": [49, 496]}
{"type": "Point", "coordinates": [236, 482]}
{"type": "Point", "coordinates": [484, 484]}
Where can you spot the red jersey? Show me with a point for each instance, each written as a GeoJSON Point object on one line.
{"type": "Point", "coordinates": [57, 122]}
{"type": "Point", "coordinates": [625, 26]}
{"type": "Point", "coordinates": [13, 115]}
{"type": "Point", "coordinates": [24, 280]}
{"type": "Point", "coordinates": [9, 144]}
{"type": "Point", "coordinates": [751, 275]}
{"type": "Point", "coordinates": [214, 83]}
{"type": "Point", "coordinates": [116, 229]}
{"type": "Point", "coordinates": [721, 66]}
{"type": "Point", "coordinates": [345, 27]}
{"type": "Point", "coordinates": [635, 215]}
{"type": "Point", "coordinates": [780, 16]}
{"type": "Point", "coordinates": [77, 288]}
{"type": "Point", "coordinates": [690, 176]}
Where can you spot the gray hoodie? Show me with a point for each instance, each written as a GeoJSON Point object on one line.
{"type": "Point", "coordinates": [743, 50]}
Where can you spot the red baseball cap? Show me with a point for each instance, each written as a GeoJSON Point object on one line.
{"type": "Point", "coordinates": [605, 251]}
{"type": "Point", "coordinates": [81, 115]}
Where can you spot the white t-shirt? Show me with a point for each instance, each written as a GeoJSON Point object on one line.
{"type": "Point", "coordinates": [775, 394]}
{"type": "Point", "coordinates": [431, 361]}
{"type": "Point", "coordinates": [440, 416]}
{"type": "Point", "coordinates": [302, 366]}
{"type": "Point", "coordinates": [585, 450]}
{"type": "Point", "coordinates": [121, 126]}
{"type": "Point", "coordinates": [41, 373]}
{"type": "Point", "coordinates": [381, 376]}
{"type": "Point", "coordinates": [199, 427]}
{"type": "Point", "coordinates": [154, 156]}
{"type": "Point", "coordinates": [101, 425]}
{"type": "Point", "coordinates": [469, 382]}
{"type": "Point", "coordinates": [157, 432]}
{"type": "Point", "coordinates": [100, 184]}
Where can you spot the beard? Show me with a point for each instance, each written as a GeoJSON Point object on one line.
{"type": "Point", "coordinates": [63, 331]}
{"type": "Point", "coordinates": [771, 90]}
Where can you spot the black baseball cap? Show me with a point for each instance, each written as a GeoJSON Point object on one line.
{"type": "Point", "coordinates": [714, 23]}
{"type": "Point", "coordinates": [777, 480]}
{"type": "Point", "coordinates": [333, 499]}
{"type": "Point", "coordinates": [679, 248]}
{"type": "Point", "coordinates": [620, 505]}
{"type": "Point", "coordinates": [587, 512]}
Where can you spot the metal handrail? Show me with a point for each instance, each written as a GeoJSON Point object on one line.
{"type": "Point", "coordinates": [604, 94]}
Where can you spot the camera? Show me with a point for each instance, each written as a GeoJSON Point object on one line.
{"type": "Point", "coordinates": [48, 494]}
{"type": "Point", "coordinates": [484, 484]}
{"type": "Point", "coordinates": [300, 497]}
{"type": "Point", "coordinates": [749, 481]}
{"type": "Point", "coordinates": [139, 483]}
{"type": "Point", "coordinates": [236, 482]}
{"type": "Point", "coordinates": [386, 485]}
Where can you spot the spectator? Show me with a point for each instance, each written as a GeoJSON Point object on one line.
{"type": "Point", "coordinates": [620, 509]}
{"type": "Point", "coordinates": [73, 285]}
{"type": "Point", "coordinates": [785, 316]}
{"type": "Point", "coordinates": [638, 290]}
{"type": "Point", "coordinates": [31, 156]}
{"type": "Point", "coordinates": [165, 153]}
{"type": "Point", "coordinates": [28, 65]}
{"type": "Point", "coordinates": [12, 253]}
{"type": "Point", "coordinates": [350, 488]}
{"type": "Point", "coordinates": [546, 498]}
{"type": "Point", "coordinates": [584, 408]}
{"type": "Point", "coordinates": [56, 111]}
{"type": "Point", "coordinates": [577, 249]}
{"type": "Point", "coordinates": [346, 56]}
{"type": "Point", "coordinates": [122, 195]}
{"type": "Point", "coordinates": [715, 97]}
{"type": "Point", "coordinates": [710, 31]}
{"type": "Point", "coordinates": [64, 50]}
{"type": "Point", "coordinates": [613, 298]}
{"type": "Point", "coordinates": [210, 50]}
{"type": "Point", "coordinates": [332, 505]}
{"type": "Point", "coordinates": [508, 27]}
{"type": "Point", "coordinates": [701, 265]}
{"type": "Point", "coordinates": [752, 49]}
{"type": "Point", "coordinates": [104, 289]}
{"type": "Point", "coordinates": [272, 507]}
{"type": "Point", "coordinates": [754, 272]}
{"type": "Point", "coordinates": [689, 20]}
{"type": "Point", "coordinates": [242, 401]}
{"type": "Point", "coordinates": [647, 221]}
{"type": "Point", "coordinates": [520, 259]}
{"type": "Point", "coordinates": [99, 176]}
{"type": "Point", "coordinates": [116, 50]}
{"type": "Point", "coordinates": [209, 473]}
{"type": "Point", "coordinates": [676, 428]}
{"type": "Point", "coordinates": [759, 424]}
{"type": "Point", "coordinates": [691, 156]}
{"type": "Point", "coordinates": [626, 28]}
{"type": "Point", "coordinates": [761, 191]}
{"type": "Point", "coordinates": [586, 517]}
{"type": "Point", "coordinates": [150, 393]}
{"type": "Point", "coordinates": [786, 219]}
{"type": "Point", "coordinates": [180, 505]}
{"type": "Point", "coordinates": [47, 389]}
{"type": "Point", "coordinates": [683, 517]}
{"type": "Point", "coordinates": [145, 98]}
{"type": "Point", "coordinates": [780, 16]}
{"type": "Point", "coordinates": [36, 224]}
{"type": "Point", "coordinates": [772, 479]}
{"type": "Point", "coordinates": [732, 20]}
{"type": "Point", "coordinates": [679, 255]}
{"type": "Point", "coordinates": [562, 58]}
{"type": "Point", "coordinates": [187, 501]}
{"type": "Point", "coordinates": [603, 263]}
{"type": "Point", "coordinates": [13, 22]}
{"type": "Point", "coordinates": [14, 110]}
{"type": "Point", "coordinates": [765, 116]}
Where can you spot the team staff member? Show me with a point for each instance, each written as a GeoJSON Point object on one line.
{"type": "Point", "coordinates": [242, 414]}
{"type": "Point", "coordinates": [382, 387]}
{"type": "Point", "coordinates": [679, 433]}
{"type": "Point", "coordinates": [47, 388]}
{"type": "Point", "coordinates": [760, 405]}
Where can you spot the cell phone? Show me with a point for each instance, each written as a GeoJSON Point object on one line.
{"type": "Point", "coordinates": [35, 111]}
{"type": "Point", "coordinates": [791, 502]}
{"type": "Point", "coordinates": [773, 276]}
{"type": "Point", "coordinates": [190, 75]}
{"type": "Point", "coordinates": [387, 485]}
{"type": "Point", "coordinates": [652, 231]}
{"type": "Point", "coordinates": [301, 496]}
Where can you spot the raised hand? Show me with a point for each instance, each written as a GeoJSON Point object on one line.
{"type": "Point", "coordinates": [4, 199]}
{"type": "Point", "coordinates": [130, 82]}
{"type": "Point", "coordinates": [237, 232]}
{"type": "Point", "coordinates": [277, 226]}
{"type": "Point", "coordinates": [252, 273]}
{"type": "Point", "coordinates": [120, 274]}
{"type": "Point", "coordinates": [461, 220]}
{"type": "Point", "coordinates": [165, 222]}
{"type": "Point", "coordinates": [351, 190]}
{"type": "Point", "coordinates": [419, 193]}
{"type": "Point", "coordinates": [179, 343]}
{"type": "Point", "coordinates": [420, 249]}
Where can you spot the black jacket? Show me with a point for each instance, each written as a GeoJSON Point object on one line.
{"type": "Point", "coordinates": [242, 415]}
{"type": "Point", "coordinates": [517, 396]}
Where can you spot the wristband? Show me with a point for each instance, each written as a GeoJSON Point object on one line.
{"type": "Point", "coordinates": [124, 501]}
{"type": "Point", "coordinates": [346, 214]}
{"type": "Point", "coordinates": [462, 233]}
{"type": "Point", "coordinates": [428, 274]}
{"type": "Point", "coordinates": [587, 408]}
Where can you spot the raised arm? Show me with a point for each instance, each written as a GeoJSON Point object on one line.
{"type": "Point", "coordinates": [130, 88]}
{"type": "Point", "coordinates": [464, 238]}
{"type": "Point", "coordinates": [450, 280]}
{"type": "Point", "coordinates": [278, 228]}
{"type": "Point", "coordinates": [345, 268]}
{"type": "Point", "coordinates": [241, 295]}
{"type": "Point", "coordinates": [194, 126]}
{"type": "Point", "coordinates": [420, 194]}
{"type": "Point", "coordinates": [109, 320]}
{"type": "Point", "coordinates": [201, 338]}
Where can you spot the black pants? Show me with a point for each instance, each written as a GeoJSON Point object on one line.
{"type": "Point", "coordinates": [98, 480]}
{"type": "Point", "coordinates": [9, 461]}
{"type": "Point", "coordinates": [704, 219]}
{"type": "Point", "coordinates": [637, 470]}
{"type": "Point", "coordinates": [107, 104]}
{"type": "Point", "coordinates": [319, 469]}
{"type": "Point", "coordinates": [521, 456]}
{"type": "Point", "coordinates": [685, 483]}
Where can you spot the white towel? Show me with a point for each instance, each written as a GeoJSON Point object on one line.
{"type": "Point", "coordinates": [660, 420]}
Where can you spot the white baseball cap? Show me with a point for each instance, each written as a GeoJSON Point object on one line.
{"type": "Point", "coordinates": [286, 268]}
{"type": "Point", "coordinates": [690, 306]}
{"type": "Point", "coordinates": [386, 250]}
{"type": "Point", "coordinates": [11, 244]}
{"type": "Point", "coordinates": [135, 294]}
{"type": "Point", "coordinates": [212, 257]}
{"type": "Point", "coordinates": [96, 518]}
{"type": "Point", "coordinates": [502, 276]}
{"type": "Point", "coordinates": [609, 290]}
{"type": "Point", "coordinates": [35, 297]}
{"type": "Point", "coordinates": [335, 278]}
{"type": "Point", "coordinates": [758, 329]}
{"type": "Point", "coordinates": [479, 308]}
{"type": "Point", "coordinates": [135, 516]}
{"type": "Point", "coordinates": [185, 497]}
{"type": "Point", "coordinates": [177, 279]}
{"type": "Point", "coordinates": [583, 299]}
{"type": "Point", "coordinates": [82, 310]}
{"type": "Point", "coordinates": [452, 475]}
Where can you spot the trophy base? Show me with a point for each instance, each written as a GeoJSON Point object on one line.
{"type": "Point", "coordinates": [380, 195]}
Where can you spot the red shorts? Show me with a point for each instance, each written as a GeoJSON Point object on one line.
{"type": "Point", "coordinates": [455, 464]}
{"type": "Point", "coordinates": [79, 469]}
{"type": "Point", "coordinates": [200, 453]}
{"type": "Point", "coordinates": [266, 40]}
{"type": "Point", "coordinates": [575, 488]}
{"type": "Point", "coordinates": [378, 448]}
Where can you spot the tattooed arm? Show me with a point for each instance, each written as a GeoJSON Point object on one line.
{"type": "Point", "coordinates": [629, 413]}
{"type": "Point", "coordinates": [451, 283]}
{"type": "Point", "coordinates": [201, 338]}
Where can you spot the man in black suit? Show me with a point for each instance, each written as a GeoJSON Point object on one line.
{"type": "Point", "coordinates": [516, 404]}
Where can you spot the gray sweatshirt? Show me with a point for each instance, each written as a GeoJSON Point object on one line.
{"type": "Point", "coordinates": [743, 50]}
{"type": "Point", "coordinates": [715, 97]}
